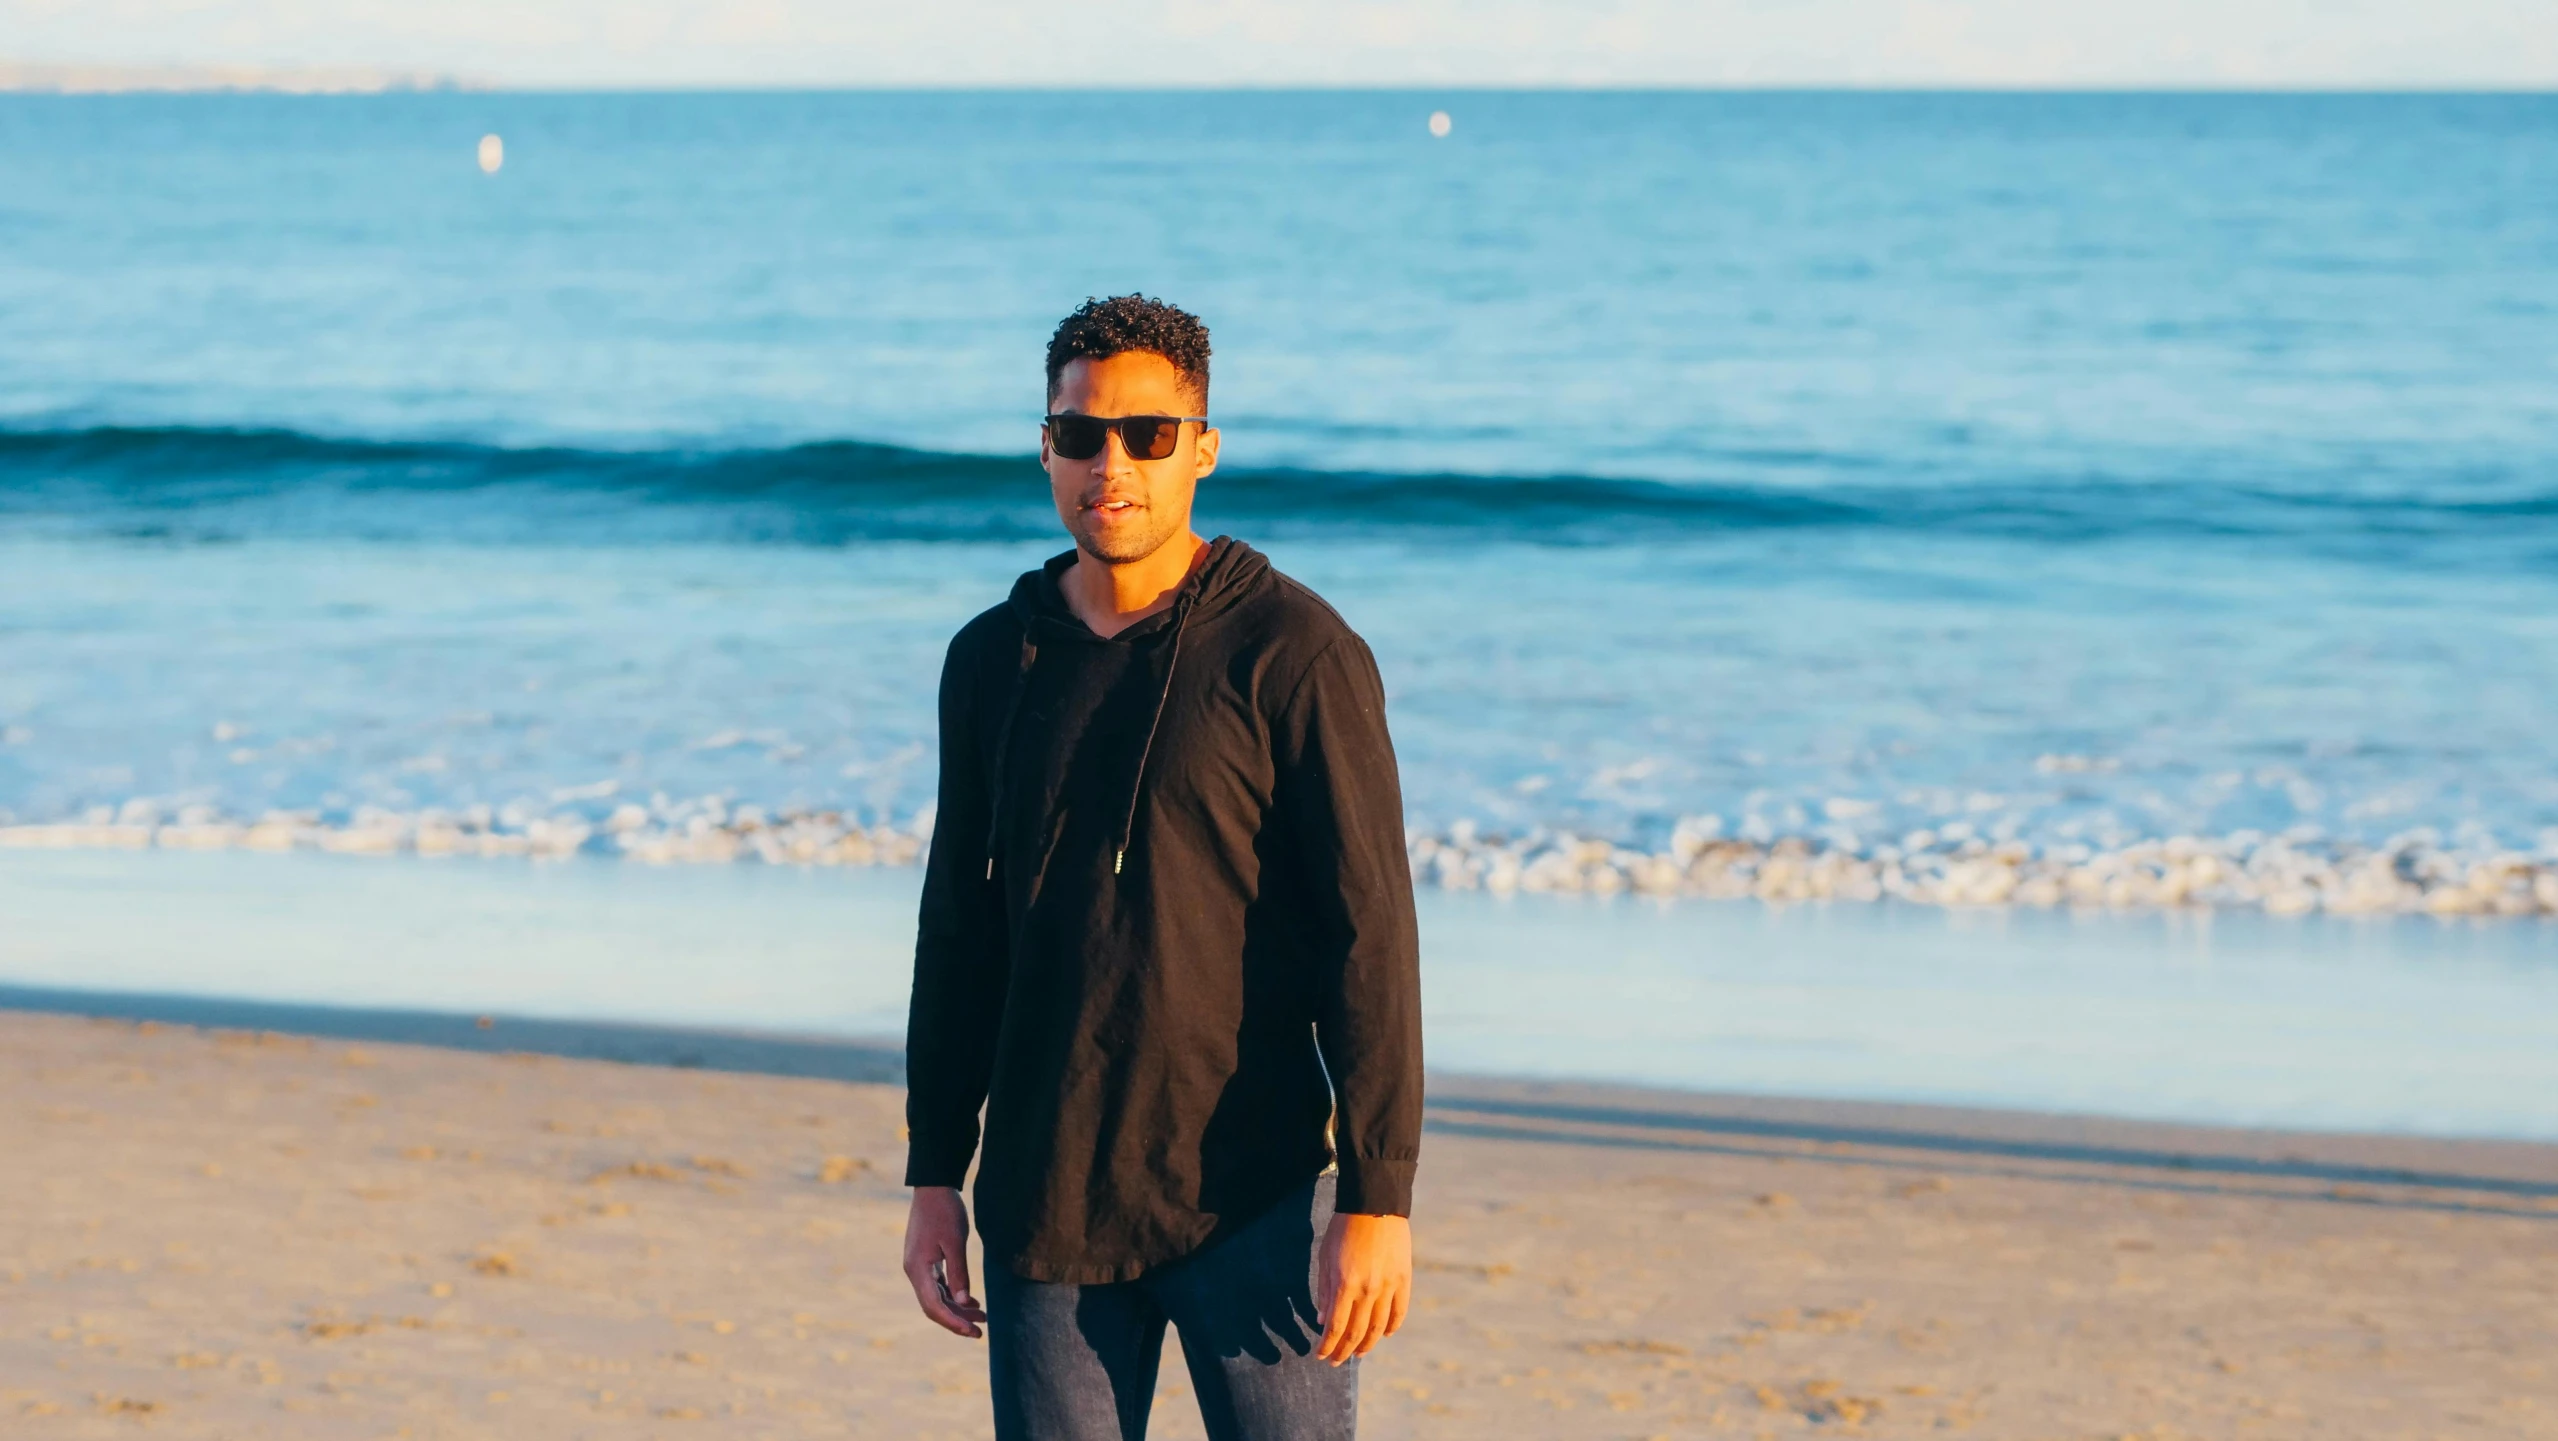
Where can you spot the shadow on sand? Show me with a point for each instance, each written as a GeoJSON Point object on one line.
{"type": "Point", "coordinates": [2341, 1169]}
{"type": "Point", "coordinates": [820, 1057]}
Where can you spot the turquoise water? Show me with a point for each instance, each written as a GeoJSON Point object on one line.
{"type": "Point", "coordinates": [1890, 473]}
{"type": "Point", "coordinates": [2394, 1025]}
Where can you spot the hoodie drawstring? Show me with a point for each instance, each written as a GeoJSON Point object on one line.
{"type": "Point", "coordinates": [1137, 782]}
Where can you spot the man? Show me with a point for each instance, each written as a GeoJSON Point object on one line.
{"type": "Point", "coordinates": [1168, 944]}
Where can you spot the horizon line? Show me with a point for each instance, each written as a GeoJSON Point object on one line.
{"type": "Point", "coordinates": [356, 82]}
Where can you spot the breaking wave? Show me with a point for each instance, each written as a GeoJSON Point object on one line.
{"type": "Point", "coordinates": [210, 483]}
{"type": "Point", "coordinates": [2414, 873]}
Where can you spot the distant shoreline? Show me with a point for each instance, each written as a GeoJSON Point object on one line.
{"type": "Point", "coordinates": [18, 78]}
{"type": "Point", "coordinates": [58, 79]}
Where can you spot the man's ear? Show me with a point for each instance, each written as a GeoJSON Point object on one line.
{"type": "Point", "coordinates": [1203, 455]}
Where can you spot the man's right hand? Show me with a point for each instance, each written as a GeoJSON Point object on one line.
{"type": "Point", "coordinates": [937, 1259]}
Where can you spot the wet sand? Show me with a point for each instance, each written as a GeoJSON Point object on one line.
{"type": "Point", "coordinates": [211, 1232]}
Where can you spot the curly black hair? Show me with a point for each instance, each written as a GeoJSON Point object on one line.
{"type": "Point", "coordinates": [1100, 329]}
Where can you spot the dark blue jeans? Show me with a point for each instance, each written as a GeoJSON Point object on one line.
{"type": "Point", "coordinates": [1077, 1363]}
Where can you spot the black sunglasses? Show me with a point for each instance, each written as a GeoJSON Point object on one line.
{"type": "Point", "coordinates": [1148, 437]}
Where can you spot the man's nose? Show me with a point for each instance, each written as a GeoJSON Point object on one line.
{"type": "Point", "coordinates": [1113, 457]}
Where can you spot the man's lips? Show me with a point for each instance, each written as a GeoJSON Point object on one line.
{"type": "Point", "coordinates": [1112, 506]}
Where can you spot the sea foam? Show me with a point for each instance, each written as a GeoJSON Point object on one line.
{"type": "Point", "coordinates": [2411, 874]}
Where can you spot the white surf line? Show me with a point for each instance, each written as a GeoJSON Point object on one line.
{"type": "Point", "coordinates": [2407, 875]}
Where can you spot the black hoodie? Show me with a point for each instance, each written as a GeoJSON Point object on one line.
{"type": "Point", "coordinates": [1167, 925]}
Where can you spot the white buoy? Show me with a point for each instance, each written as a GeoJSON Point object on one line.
{"type": "Point", "coordinates": [1440, 124]}
{"type": "Point", "coordinates": [492, 154]}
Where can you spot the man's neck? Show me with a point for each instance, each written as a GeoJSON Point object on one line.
{"type": "Point", "coordinates": [1110, 598]}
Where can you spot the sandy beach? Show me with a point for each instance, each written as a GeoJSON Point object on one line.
{"type": "Point", "coordinates": [213, 1232]}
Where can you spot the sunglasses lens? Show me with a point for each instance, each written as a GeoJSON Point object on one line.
{"type": "Point", "coordinates": [1076, 437]}
{"type": "Point", "coordinates": [1081, 437]}
{"type": "Point", "coordinates": [1149, 437]}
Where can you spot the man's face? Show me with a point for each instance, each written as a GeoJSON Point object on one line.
{"type": "Point", "coordinates": [1121, 510]}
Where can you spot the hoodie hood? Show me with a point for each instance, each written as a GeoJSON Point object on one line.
{"type": "Point", "coordinates": [1221, 580]}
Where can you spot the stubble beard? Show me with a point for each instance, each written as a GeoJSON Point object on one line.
{"type": "Point", "coordinates": [1123, 542]}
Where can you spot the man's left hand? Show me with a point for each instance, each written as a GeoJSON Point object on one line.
{"type": "Point", "coordinates": [1363, 1281]}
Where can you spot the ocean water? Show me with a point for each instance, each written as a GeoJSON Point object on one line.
{"type": "Point", "coordinates": [2095, 499]}
{"type": "Point", "coordinates": [2372, 1024]}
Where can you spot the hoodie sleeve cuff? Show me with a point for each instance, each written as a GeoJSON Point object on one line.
{"type": "Point", "coordinates": [1373, 1187]}
{"type": "Point", "coordinates": [925, 1168]}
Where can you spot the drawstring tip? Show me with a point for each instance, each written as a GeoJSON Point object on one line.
{"type": "Point", "coordinates": [990, 868]}
{"type": "Point", "coordinates": [1117, 861]}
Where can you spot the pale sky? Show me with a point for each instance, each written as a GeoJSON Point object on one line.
{"type": "Point", "coordinates": [1150, 43]}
